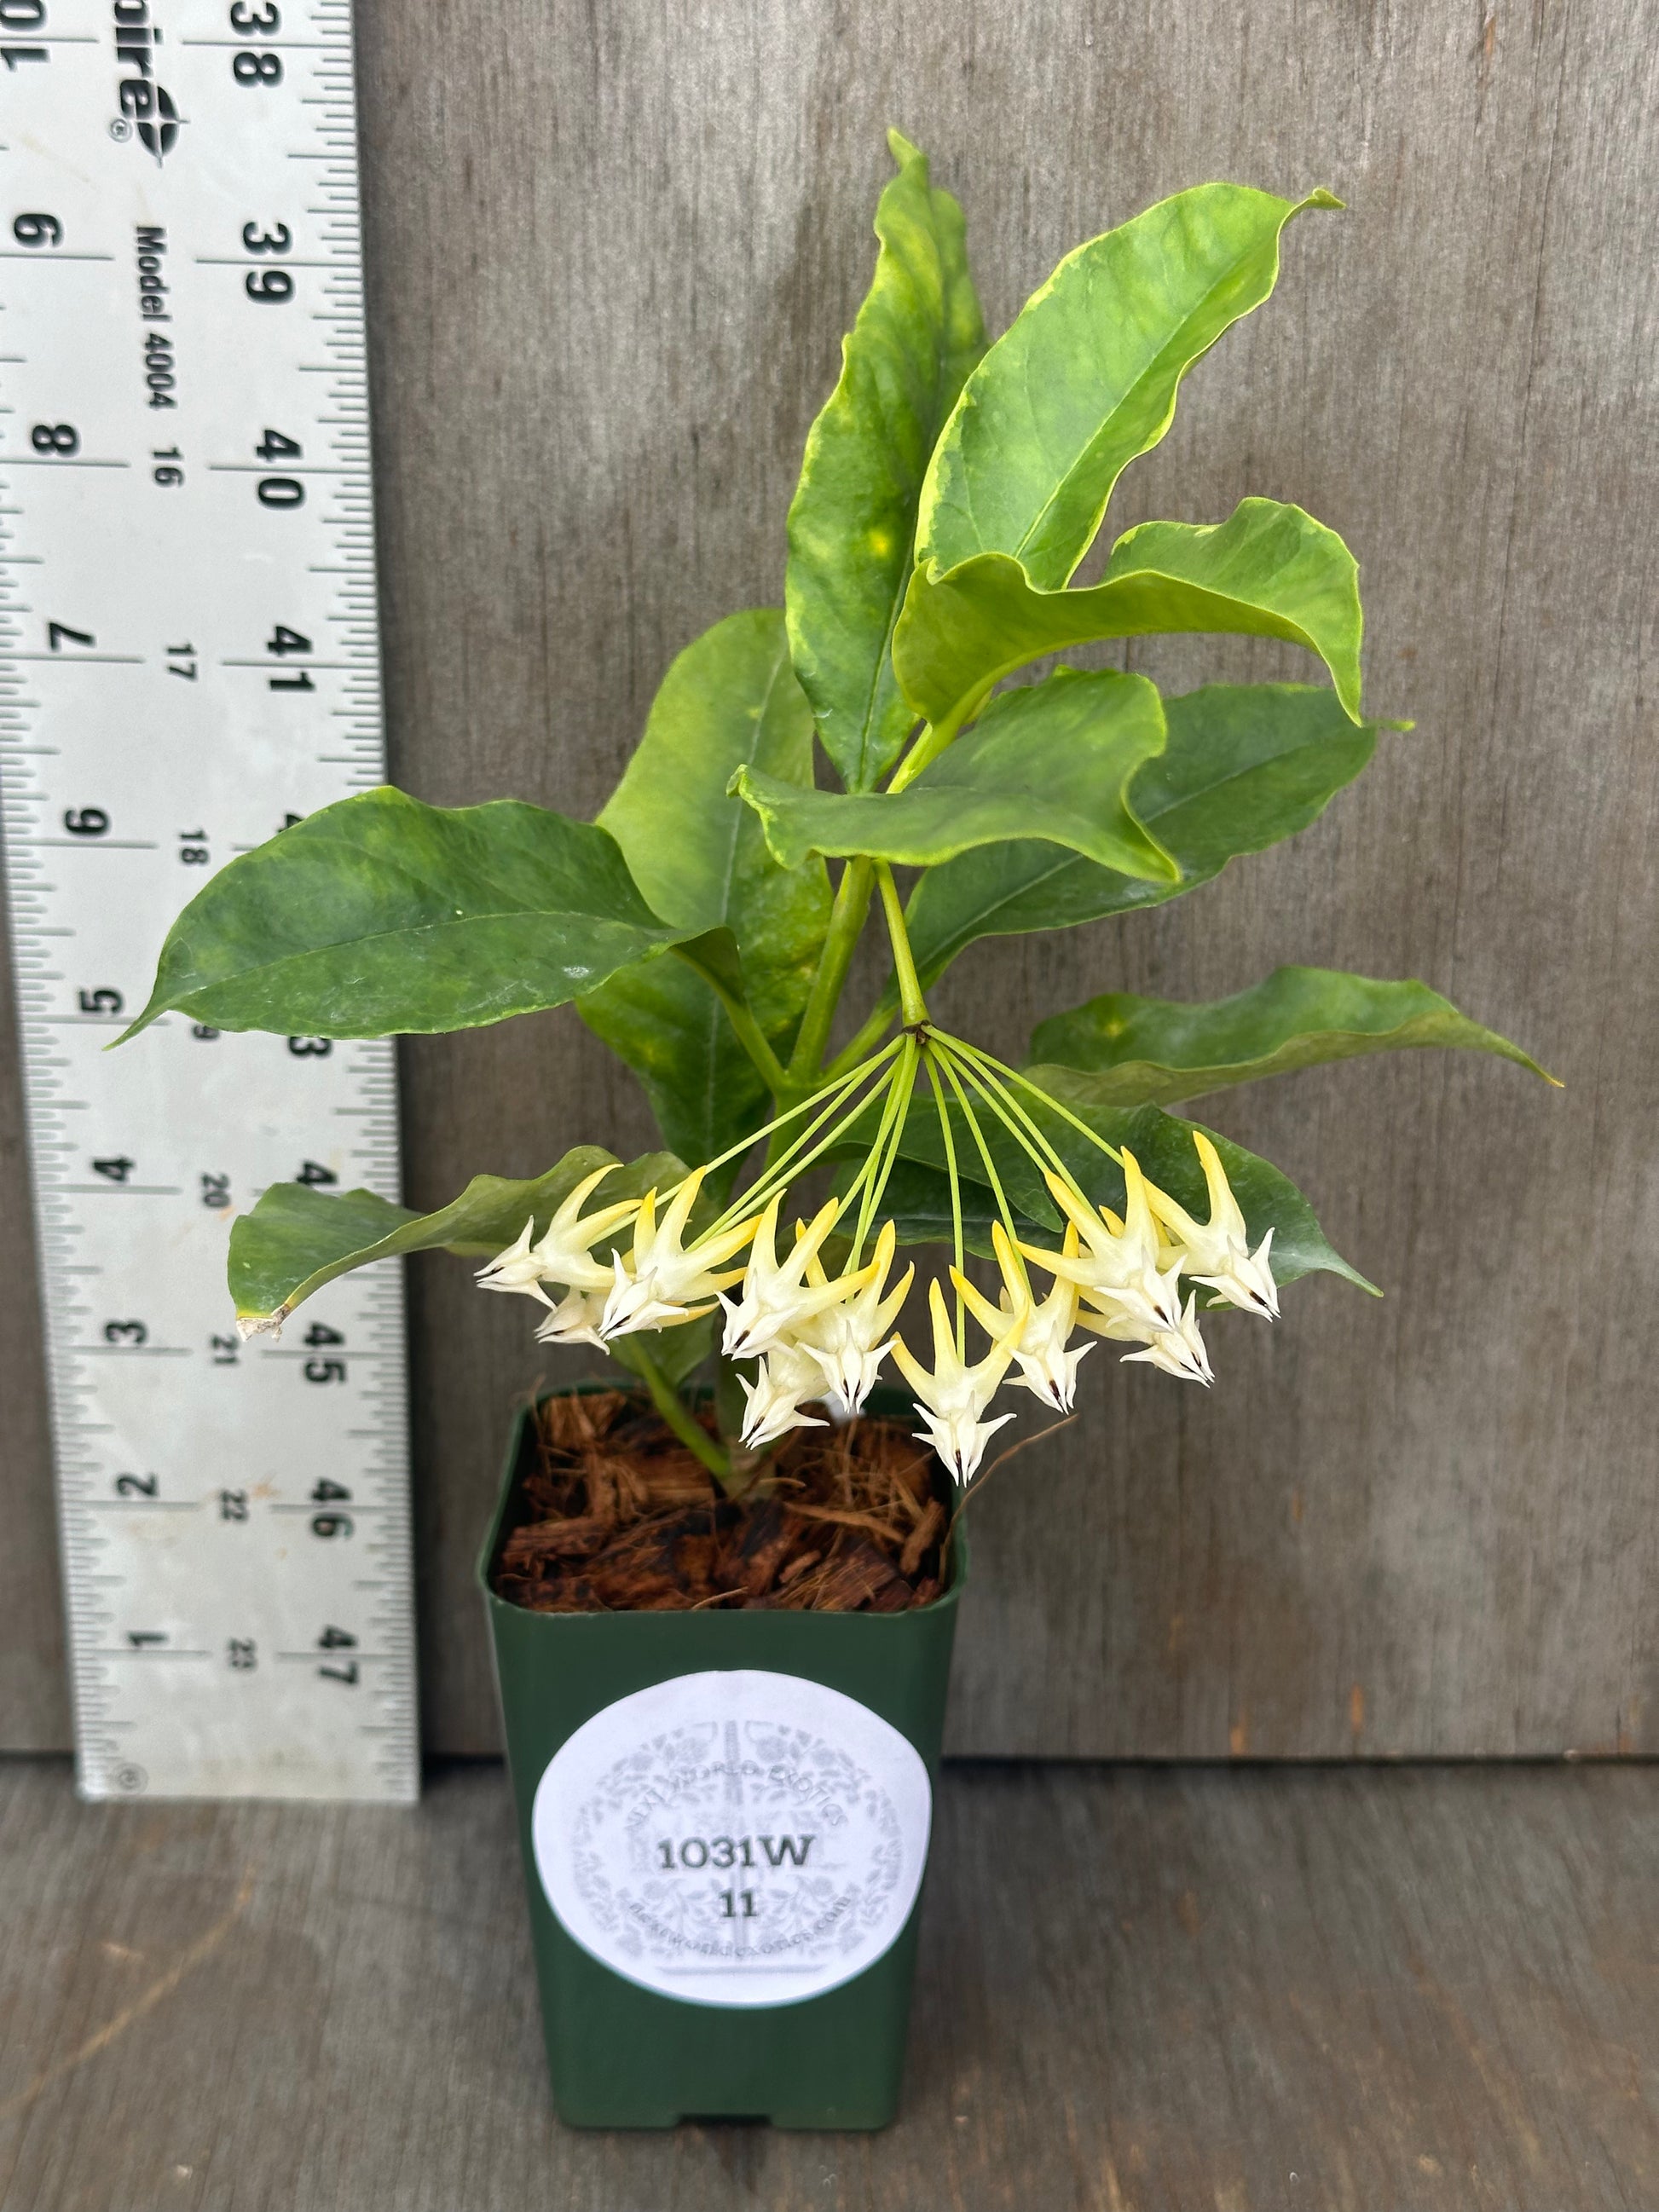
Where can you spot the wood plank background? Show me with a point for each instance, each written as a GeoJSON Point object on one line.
{"type": "Point", "coordinates": [611, 252]}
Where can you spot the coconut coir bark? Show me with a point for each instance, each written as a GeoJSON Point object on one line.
{"type": "Point", "coordinates": [617, 1516]}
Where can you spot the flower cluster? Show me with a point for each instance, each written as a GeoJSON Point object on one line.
{"type": "Point", "coordinates": [820, 1338]}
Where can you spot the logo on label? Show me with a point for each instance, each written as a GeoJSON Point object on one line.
{"type": "Point", "coordinates": [146, 105]}
{"type": "Point", "coordinates": [733, 1839]}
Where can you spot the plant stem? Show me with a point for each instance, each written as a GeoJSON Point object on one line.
{"type": "Point", "coordinates": [880, 1022]}
{"type": "Point", "coordinates": [847, 920]}
{"type": "Point", "coordinates": [749, 1034]}
{"type": "Point", "coordinates": [956, 1199]}
{"type": "Point", "coordinates": [678, 1417]}
{"type": "Point", "coordinates": [912, 1005]}
{"type": "Point", "coordinates": [934, 737]}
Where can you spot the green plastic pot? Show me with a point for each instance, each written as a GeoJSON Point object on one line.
{"type": "Point", "coordinates": [624, 2055]}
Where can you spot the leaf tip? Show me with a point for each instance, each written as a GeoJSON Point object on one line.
{"type": "Point", "coordinates": [250, 1325]}
{"type": "Point", "coordinates": [903, 150]}
{"type": "Point", "coordinates": [1322, 197]}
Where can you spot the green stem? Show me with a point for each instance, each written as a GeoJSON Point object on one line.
{"type": "Point", "coordinates": [876, 1028]}
{"type": "Point", "coordinates": [749, 1034]}
{"type": "Point", "coordinates": [948, 1063]}
{"type": "Point", "coordinates": [934, 737]}
{"type": "Point", "coordinates": [690, 1430]}
{"type": "Point", "coordinates": [956, 1200]}
{"type": "Point", "coordinates": [912, 1005]}
{"type": "Point", "coordinates": [985, 1060]}
{"type": "Point", "coordinates": [840, 1088]}
{"type": "Point", "coordinates": [846, 919]}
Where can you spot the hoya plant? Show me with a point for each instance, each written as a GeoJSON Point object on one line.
{"type": "Point", "coordinates": [792, 761]}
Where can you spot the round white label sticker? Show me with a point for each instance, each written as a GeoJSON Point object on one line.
{"type": "Point", "coordinates": [733, 1838]}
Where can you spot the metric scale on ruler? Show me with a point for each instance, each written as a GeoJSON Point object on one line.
{"type": "Point", "coordinates": [188, 661]}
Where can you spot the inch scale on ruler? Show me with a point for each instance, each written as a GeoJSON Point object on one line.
{"type": "Point", "coordinates": [188, 661]}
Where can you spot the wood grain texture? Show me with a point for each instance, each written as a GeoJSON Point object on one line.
{"type": "Point", "coordinates": [611, 253]}
{"type": "Point", "coordinates": [1419, 1989]}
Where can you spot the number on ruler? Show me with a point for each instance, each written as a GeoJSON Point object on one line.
{"type": "Point", "coordinates": [192, 847]}
{"type": "Point", "coordinates": [313, 1171]}
{"type": "Point", "coordinates": [325, 1371]}
{"type": "Point", "coordinates": [61, 438]}
{"type": "Point", "coordinates": [23, 15]}
{"type": "Point", "coordinates": [283, 640]}
{"type": "Point", "coordinates": [240, 1653]}
{"type": "Point", "coordinates": [310, 1048]}
{"type": "Point", "coordinates": [330, 1524]}
{"type": "Point", "coordinates": [144, 1639]}
{"type": "Point", "coordinates": [320, 1333]}
{"type": "Point", "coordinates": [115, 1170]}
{"type": "Point", "coordinates": [215, 1191]}
{"type": "Point", "coordinates": [181, 661]}
{"type": "Point", "coordinates": [33, 230]}
{"type": "Point", "coordinates": [105, 1002]}
{"type": "Point", "coordinates": [57, 632]}
{"type": "Point", "coordinates": [233, 1505]}
{"type": "Point", "coordinates": [264, 25]}
{"type": "Point", "coordinates": [86, 822]}
{"type": "Point", "coordinates": [226, 1350]}
{"type": "Point", "coordinates": [338, 1639]}
{"type": "Point", "coordinates": [169, 477]}
{"type": "Point", "coordinates": [271, 285]}
{"type": "Point", "coordinates": [250, 67]}
{"type": "Point", "coordinates": [133, 1333]}
{"type": "Point", "coordinates": [138, 1485]}
{"type": "Point", "coordinates": [279, 491]}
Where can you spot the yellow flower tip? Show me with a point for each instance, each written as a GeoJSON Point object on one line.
{"type": "Point", "coordinates": [577, 1196]}
{"type": "Point", "coordinates": [645, 1222]}
{"type": "Point", "coordinates": [992, 1319]}
{"type": "Point", "coordinates": [910, 1367]}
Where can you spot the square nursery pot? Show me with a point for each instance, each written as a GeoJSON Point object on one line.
{"type": "Point", "coordinates": [725, 1821]}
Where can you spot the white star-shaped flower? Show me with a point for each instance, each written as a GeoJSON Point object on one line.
{"type": "Point", "coordinates": [777, 1302]}
{"type": "Point", "coordinates": [1178, 1351]}
{"type": "Point", "coordinates": [849, 1340]}
{"type": "Point", "coordinates": [564, 1254]}
{"type": "Point", "coordinates": [773, 1401]}
{"type": "Point", "coordinates": [660, 1282]}
{"type": "Point", "coordinates": [575, 1320]}
{"type": "Point", "coordinates": [1217, 1252]}
{"type": "Point", "coordinates": [952, 1399]}
{"type": "Point", "coordinates": [1047, 1368]}
{"type": "Point", "coordinates": [1121, 1260]}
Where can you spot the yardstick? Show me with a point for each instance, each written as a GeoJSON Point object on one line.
{"type": "Point", "coordinates": [189, 662]}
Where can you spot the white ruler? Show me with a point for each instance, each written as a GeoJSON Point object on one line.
{"type": "Point", "coordinates": [189, 660]}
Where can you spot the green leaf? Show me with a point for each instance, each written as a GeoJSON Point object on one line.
{"type": "Point", "coordinates": [701, 858]}
{"type": "Point", "coordinates": [1086, 378]}
{"type": "Point", "coordinates": [381, 915]}
{"type": "Point", "coordinates": [1053, 761]}
{"type": "Point", "coordinates": [1268, 571]}
{"type": "Point", "coordinates": [1245, 765]}
{"type": "Point", "coordinates": [1139, 1050]}
{"type": "Point", "coordinates": [917, 1196]}
{"type": "Point", "coordinates": [298, 1238]}
{"type": "Point", "coordinates": [852, 523]}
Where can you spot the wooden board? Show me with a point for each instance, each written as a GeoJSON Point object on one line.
{"type": "Point", "coordinates": [1419, 1989]}
{"type": "Point", "coordinates": [611, 256]}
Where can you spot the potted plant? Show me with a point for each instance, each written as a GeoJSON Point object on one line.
{"type": "Point", "coordinates": [723, 1593]}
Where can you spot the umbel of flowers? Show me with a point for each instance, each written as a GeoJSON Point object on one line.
{"type": "Point", "coordinates": [818, 1337]}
